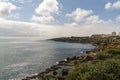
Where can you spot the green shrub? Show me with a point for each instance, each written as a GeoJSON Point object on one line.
{"type": "Point", "coordinates": [114, 51]}
{"type": "Point", "coordinates": [102, 70]}
{"type": "Point", "coordinates": [103, 56]}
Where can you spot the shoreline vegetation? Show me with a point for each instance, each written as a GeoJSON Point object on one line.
{"type": "Point", "coordinates": [101, 63]}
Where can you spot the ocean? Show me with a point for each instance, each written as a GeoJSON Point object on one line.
{"type": "Point", "coordinates": [25, 56]}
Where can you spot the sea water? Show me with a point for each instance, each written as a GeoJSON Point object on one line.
{"type": "Point", "coordinates": [25, 56]}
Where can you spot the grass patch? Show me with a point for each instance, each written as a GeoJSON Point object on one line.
{"type": "Point", "coordinates": [102, 70]}
{"type": "Point", "coordinates": [114, 51]}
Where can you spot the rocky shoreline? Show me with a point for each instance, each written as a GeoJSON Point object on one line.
{"type": "Point", "coordinates": [61, 69]}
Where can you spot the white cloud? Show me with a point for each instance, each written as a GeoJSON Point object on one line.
{"type": "Point", "coordinates": [108, 5]}
{"type": "Point", "coordinates": [115, 5]}
{"type": "Point", "coordinates": [94, 20]}
{"type": "Point", "coordinates": [47, 7]}
{"type": "Point", "coordinates": [8, 27]}
{"type": "Point", "coordinates": [79, 14]}
{"type": "Point", "coordinates": [45, 10]}
{"type": "Point", "coordinates": [82, 16]}
{"type": "Point", "coordinates": [43, 19]}
{"type": "Point", "coordinates": [73, 24]}
{"type": "Point", "coordinates": [6, 9]}
{"type": "Point", "coordinates": [27, 28]}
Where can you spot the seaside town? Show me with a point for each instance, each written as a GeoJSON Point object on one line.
{"type": "Point", "coordinates": [107, 50]}
{"type": "Point", "coordinates": [105, 35]}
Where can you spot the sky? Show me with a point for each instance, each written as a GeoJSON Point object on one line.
{"type": "Point", "coordinates": [58, 18]}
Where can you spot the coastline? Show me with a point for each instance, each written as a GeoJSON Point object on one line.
{"type": "Point", "coordinates": [61, 70]}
